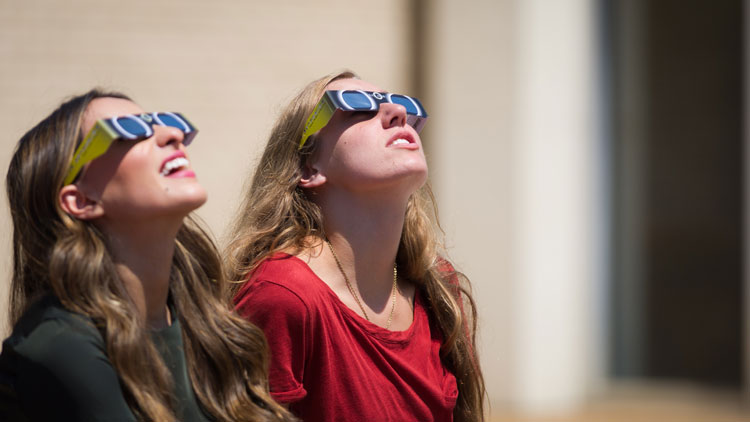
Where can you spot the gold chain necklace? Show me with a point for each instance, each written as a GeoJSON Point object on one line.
{"type": "Point", "coordinates": [356, 297]}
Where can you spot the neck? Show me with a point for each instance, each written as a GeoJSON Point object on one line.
{"type": "Point", "coordinates": [143, 258]}
{"type": "Point", "coordinates": [365, 233]}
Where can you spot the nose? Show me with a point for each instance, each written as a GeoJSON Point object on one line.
{"type": "Point", "coordinates": [392, 115]}
{"type": "Point", "coordinates": [165, 135]}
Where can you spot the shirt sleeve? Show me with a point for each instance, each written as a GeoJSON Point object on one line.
{"type": "Point", "coordinates": [64, 374]}
{"type": "Point", "coordinates": [284, 319]}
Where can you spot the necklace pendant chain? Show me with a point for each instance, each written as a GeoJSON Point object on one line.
{"type": "Point", "coordinates": [356, 296]}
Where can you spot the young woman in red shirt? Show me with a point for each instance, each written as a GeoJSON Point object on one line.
{"type": "Point", "coordinates": [338, 261]}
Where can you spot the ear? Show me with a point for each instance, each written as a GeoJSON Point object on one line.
{"type": "Point", "coordinates": [79, 205]}
{"type": "Point", "coordinates": [311, 177]}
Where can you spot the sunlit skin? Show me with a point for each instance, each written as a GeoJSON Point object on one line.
{"type": "Point", "coordinates": [140, 210]}
{"type": "Point", "coordinates": [356, 150]}
{"type": "Point", "coordinates": [362, 182]}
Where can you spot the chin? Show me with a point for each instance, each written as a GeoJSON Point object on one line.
{"type": "Point", "coordinates": [416, 165]}
{"type": "Point", "coordinates": [196, 201]}
{"type": "Point", "coordinates": [405, 182]}
{"type": "Point", "coordinates": [185, 201]}
{"type": "Point", "coordinates": [417, 172]}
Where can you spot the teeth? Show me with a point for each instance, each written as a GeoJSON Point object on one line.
{"type": "Point", "coordinates": [173, 165]}
{"type": "Point", "coordinates": [400, 142]}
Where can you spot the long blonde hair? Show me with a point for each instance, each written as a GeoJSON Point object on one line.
{"type": "Point", "coordinates": [53, 253]}
{"type": "Point", "coordinates": [276, 215]}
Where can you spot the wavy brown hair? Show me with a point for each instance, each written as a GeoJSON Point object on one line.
{"type": "Point", "coordinates": [53, 253]}
{"type": "Point", "coordinates": [277, 215]}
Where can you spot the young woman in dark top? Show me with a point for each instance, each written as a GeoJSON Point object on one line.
{"type": "Point", "coordinates": [341, 265]}
{"type": "Point", "coordinates": [116, 296]}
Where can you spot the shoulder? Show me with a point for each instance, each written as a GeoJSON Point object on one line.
{"type": "Point", "coordinates": [283, 278]}
{"type": "Point", "coordinates": [281, 288]}
{"type": "Point", "coordinates": [447, 271]}
{"type": "Point", "coordinates": [444, 266]}
{"type": "Point", "coordinates": [49, 333]}
{"type": "Point", "coordinates": [285, 270]}
{"type": "Point", "coordinates": [60, 355]}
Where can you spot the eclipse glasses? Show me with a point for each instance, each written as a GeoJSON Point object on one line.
{"type": "Point", "coordinates": [131, 127]}
{"type": "Point", "coordinates": [356, 100]}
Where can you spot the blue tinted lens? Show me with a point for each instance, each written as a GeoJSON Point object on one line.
{"type": "Point", "coordinates": [357, 100]}
{"type": "Point", "coordinates": [133, 127]}
{"type": "Point", "coordinates": [173, 121]}
{"type": "Point", "coordinates": [406, 102]}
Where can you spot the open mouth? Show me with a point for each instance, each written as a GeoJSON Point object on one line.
{"type": "Point", "coordinates": [400, 141]}
{"type": "Point", "coordinates": [174, 165]}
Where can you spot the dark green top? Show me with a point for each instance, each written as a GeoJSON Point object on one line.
{"type": "Point", "coordinates": [54, 367]}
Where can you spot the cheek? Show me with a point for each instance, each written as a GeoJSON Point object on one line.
{"type": "Point", "coordinates": [351, 157]}
{"type": "Point", "coordinates": [135, 164]}
{"type": "Point", "coordinates": [130, 172]}
{"type": "Point", "coordinates": [105, 170]}
{"type": "Point", "coordinates": [356, 147]}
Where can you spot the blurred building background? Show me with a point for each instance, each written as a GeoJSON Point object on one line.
{"type": "Point", "coordinates": [588, 156]}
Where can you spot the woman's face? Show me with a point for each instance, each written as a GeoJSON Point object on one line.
{"type": "Point", "coordinates": [130, 181]}
{"type": "Point", "coordinates": [370, 150]}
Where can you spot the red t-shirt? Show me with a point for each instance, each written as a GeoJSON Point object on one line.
{"type": "Point", "coordinates": [333, 365]}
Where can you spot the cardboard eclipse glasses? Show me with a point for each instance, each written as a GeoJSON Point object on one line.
{"type": "Point", "coordinates": [130, 126]}
{"type": "Point", "coordinates": [356, 100]}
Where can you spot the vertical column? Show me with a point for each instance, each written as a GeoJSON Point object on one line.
{"type": "Point", "coordinates": [554, 208]}
{"type": "Point", "coordinates": [746, 206]}
{"type": "Point", "coordinates": [631, 111]}
{"type": "Point", "coordinates": [515, 166]}
{"type": "Point", "coordinates": [468, 71]}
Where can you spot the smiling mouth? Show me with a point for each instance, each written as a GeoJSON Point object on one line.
{"type": "Point", "coordinates": [174, 165]}
{"type": "Point", "coordinates": [400, 141]}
